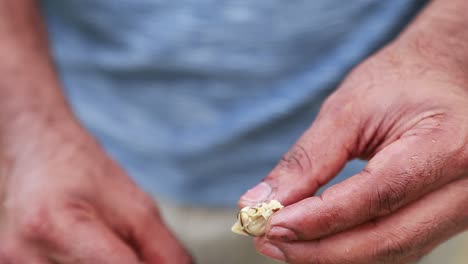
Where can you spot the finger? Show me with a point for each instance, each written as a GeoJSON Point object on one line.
{"type": "Point", "coordinates": [400, 173]}
{"type": "Point", "coordinates": [319, 154]}
{"type": "Point", "coordinates": [137, 222]}
{"type": "Point", "coordinates": [155, 242]}
{"type": "Point", "coordinates": [397, 238]}
{"type": "Point", "coordinates": [92, 242]}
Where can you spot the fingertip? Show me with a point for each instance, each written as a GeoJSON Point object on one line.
{"type": "Point", "coordinates": [257, 194]}
{"type": "Point", "coordinates": [285, 217]}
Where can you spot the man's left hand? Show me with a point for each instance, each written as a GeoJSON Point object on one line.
{"type": "Point", "coordinates": [406, 111]}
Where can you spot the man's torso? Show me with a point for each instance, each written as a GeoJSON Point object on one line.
{"type": "Point", "coordinates": [199, 98]}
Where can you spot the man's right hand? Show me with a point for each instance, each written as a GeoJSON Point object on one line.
{"type": "Point", "coordinates": [67, 202]}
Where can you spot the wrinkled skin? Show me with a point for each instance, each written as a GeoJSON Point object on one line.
{"type": "Point", "coordinates": [406, 111]}
{"type": "Point", "coordinates": [70, 203]}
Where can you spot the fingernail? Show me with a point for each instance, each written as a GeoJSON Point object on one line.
{"type": "Point", "coordinates": [272, 251]}
{"type": "Point", "coordinates": [281, 234]}
{"type": "Point", "coordinates": [257, 194]}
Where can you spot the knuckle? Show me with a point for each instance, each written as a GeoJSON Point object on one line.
{"type": "Point", "coordinates": [390, 250]}
{"type": "Point", "coordinates": [79, 211]}
{"type": "Point", "coordinates": [387, 197]}
{"type": "Point", "coordinates": [296, 159]}
{"type": "Point", "coordinates": [37, 225]}
{"type": "Point", "coordinates": [337, 105]}
{"type": "Point", "coordinates": [331, 105]}
{"type": "Point", "coordinates": [332, 221]}
{"type": "Point", "coordinates": [146, 207]}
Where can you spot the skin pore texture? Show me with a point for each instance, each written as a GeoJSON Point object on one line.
{"type": "Point", "coordinates": [405, 110]}
{"type": "Point", "coordinates": [62, 199]}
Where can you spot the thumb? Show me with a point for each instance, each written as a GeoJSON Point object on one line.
{"type": "Point", "coordinates": [319, 154]}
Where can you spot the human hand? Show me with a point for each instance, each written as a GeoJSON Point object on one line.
{"type": "Point", "coordinates": [63, 201]}
{"type": "Point", "coordinates": [406, 111]}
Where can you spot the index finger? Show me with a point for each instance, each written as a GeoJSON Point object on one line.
{"type": "Point", "coordinates": [402, 172]}
{"type": "Point", "coordinates": [319, 154]}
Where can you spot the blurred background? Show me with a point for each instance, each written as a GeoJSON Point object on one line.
{"type": "Point", "coordinates": [453, 251]}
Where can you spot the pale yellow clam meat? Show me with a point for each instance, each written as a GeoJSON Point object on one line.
{"type": "Point", "coordinates": [252, 220]}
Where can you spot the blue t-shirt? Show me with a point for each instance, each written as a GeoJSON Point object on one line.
{"type": "Point", "coordinates": [198, 99]}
